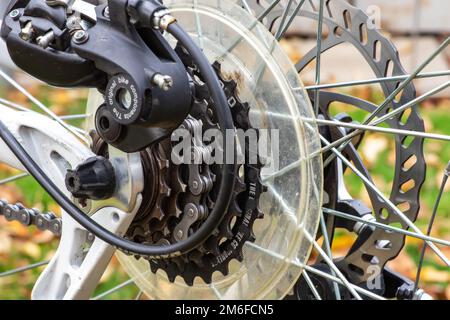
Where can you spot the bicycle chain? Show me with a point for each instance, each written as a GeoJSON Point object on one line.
{"type": "Point", "coordinates": [31, 217]}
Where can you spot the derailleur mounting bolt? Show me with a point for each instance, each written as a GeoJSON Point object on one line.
{"type": "Point", "coordinates": [45, 40]}
{"type": "Point", "coordinates": [164, 82]}
{"type": "Point", "coordinates": [27, 32]}
{"type": "Point", "coordinates": [15, 14]}
{"type": "Point", "coordinates": [80, 37]}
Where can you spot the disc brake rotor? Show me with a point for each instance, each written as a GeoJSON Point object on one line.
{"type": "Point", "coordinates": [266, 235]}
{"type": "Point", "coordinates": [349, 24]}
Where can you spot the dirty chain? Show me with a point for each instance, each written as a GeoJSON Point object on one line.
{"type": "Point", "coordinates": [31, 217]}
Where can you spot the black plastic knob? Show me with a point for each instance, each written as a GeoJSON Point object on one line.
{"type": "Point", "coordinates": [93, 179]}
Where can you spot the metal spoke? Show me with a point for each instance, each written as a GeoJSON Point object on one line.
{"type": "Point", "coordinates": [139, 295]}
{"type": "Point", "coordinates": [377, 80]}
{"type": "Point", "coordinates": [430, 225]}
{"type": "Point", "coordinates": [318, 58]}
{"type": "Point", "coordinates": [380, 129]}
{"type": "Point", "coordinates": [411, 77]}
{"type": "Point", "coordinates": [392, 96]}
{"type": "Point", "coordinates": [23, 269]}
{"type": "Point", "coordinates": [333, 267]}
{"type": "Point", "coordinates": [115, 289]}
{"type": "Point", "coordinates": [291, 19]}
{"type": "Point", "coordinates": [387, 227]}
{"type": "Point", "coordinates": [16, 85]}
{"type": "Point", "coordinates": [345, 140]}
{"type": "Point", "coordinates": [400, 214]}
{"type": "Point", "coordinates": [276, 255]}
{"type": "Point", "coordinates": [326, 244]}
{"type": "Point", "coordinates": [22, 108]}
{"type": "Point", "coordinates": [325, 275]}
{"type": "Point", "coordinates": [283, 19]}
{"type": "Point", "coordinates": [268, 10]}
{"type": "Point", "coordinates": [13, 178]}
{"type": "Point", "coordinates": [311, 285]}
{"type": "Point", "coordinates": [216, 292]}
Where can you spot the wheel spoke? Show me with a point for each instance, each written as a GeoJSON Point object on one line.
{"type": "Point", "coordinates": [400, 214]}
{"type": "Point", "coordinates": [139, 295]}
{"type": "Point", "coordinates": [318, 58]}
{"type": "Point", "coordinates": [377, 80]}
{"type": "Point", "coordinates": [326, 244]}
{"type": "Point", "coordinates": [23, 269]}
{"type": "Point", "coordinates": [430, 225]}
{"type": "Point", "coordinates": [311, 285]}
{"type": "Point", "coordinates": [216, 292]}
{"type": "Point", "coordinates": [392, 96]}
{"type": "Point", "coordinates": [387, 227]}
{"type": "Point", "coordinates": [264, 14]}
{"type": "Point", "coordinates": [297, 263]}
{"type": "Point", "coordinates": [50, 113]}
{"type": "Point", "coordinates": [283, 20]}
{"type": "Point", "coordinates": [13, 178]}
{"type": "Point", "coordinates": [333, 267]}
{"type": "Point", "coordinates": [291, 19]}
{"type": "Point", "coordinates": [380, 129]}
{"type": "Point", "coordinates": [115, 289]}
{"type": "Point", "coordinates": [345, 140]}
{"type": "Point", "coordinates": [325, 275]}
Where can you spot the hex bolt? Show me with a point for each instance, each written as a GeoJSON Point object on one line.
{"type": "Point", "coordinates": [27, 32]}
{"type": "Point", "coordinates": [45, 40]}
{"type": "Point", "coordinates": [80, 37]}
{"type": "Point", "coordinates": [164, 82]}
{"type": "Point", "coordinates": [180, 234]}
{"type": "Point", "coordinates": [15, 14]}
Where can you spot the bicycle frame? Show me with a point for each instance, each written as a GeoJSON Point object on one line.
{"type": "Point", "coordinates": [72, 273]}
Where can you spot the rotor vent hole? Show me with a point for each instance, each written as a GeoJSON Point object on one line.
{"type": "Point", "coordinates": [383, 244]}
{"type": "Point", "coordinates": [377, 51]}
{"type": "Point", "coordinates": [389, 71]}
{"type": "Point", "coordinates": [408, 164]}
{"type": "Point", "coordinates": [407, 141]}
{"type": "Point", "coordinates": [384, 214]}
{"type": "Point", "coordinates": [363, 37]}
{"type": "Point", "coordinates": [347, 20]}
{"type": "Point", "coordinates": [328, 6]}
{"type": "Point", "coordinates": [404, 206]}
{"type": "Point", "coordinates": [399, 95]}
{"type": "Point", "coordinates": [338, 31]}
{"type": "Point", "coordinates": [370, 259]}
{"type": "Point", "coordinates": [405, 116]}
{"type": "Point", "coordinates": [408, 186]}
{"type": "Point", "coordinates": [397, 225]}
{"type": "Point", "coordinates": [356, 269]}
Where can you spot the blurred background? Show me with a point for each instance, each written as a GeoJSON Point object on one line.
{"type": "Point", "coordinates": [416, 27]}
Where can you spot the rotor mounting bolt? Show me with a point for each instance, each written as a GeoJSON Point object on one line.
{"type": "Point", "coordinates": [15, 14]}
{"type": "Point", "coordinates": [164, 82]}
{"type": "Point", "coordinates": [80, 37]}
